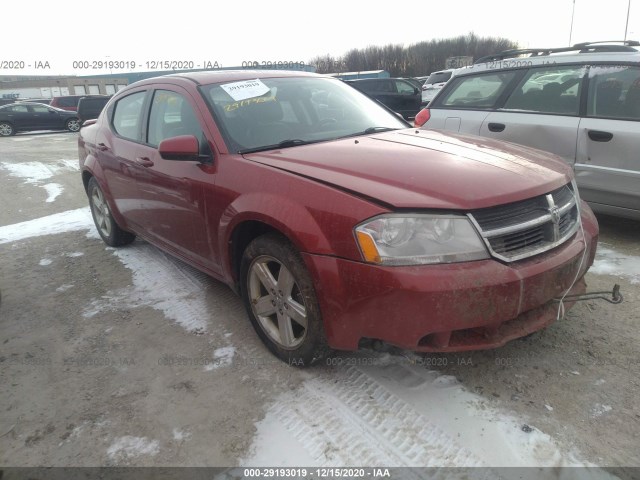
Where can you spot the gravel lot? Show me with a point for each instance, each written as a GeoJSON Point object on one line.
{"type": "Point", "coordinates": [130, 357]}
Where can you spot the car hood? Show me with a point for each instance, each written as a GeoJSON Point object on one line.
{"type": "Point", "coordinates": [425, 168]}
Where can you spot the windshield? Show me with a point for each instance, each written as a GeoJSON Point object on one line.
{"type": "Point", "coordinates": [294, 111]}
{"type": "Point", "coordinates": [438, 77]}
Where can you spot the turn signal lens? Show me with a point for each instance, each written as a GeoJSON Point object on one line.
{"type": "Point", "coordinates": [368, 247]}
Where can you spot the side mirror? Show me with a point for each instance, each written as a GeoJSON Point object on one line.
{"type": "Point", "coordinates": [415, 91]}
{"type": "Point", "coordinates": [184, 147]}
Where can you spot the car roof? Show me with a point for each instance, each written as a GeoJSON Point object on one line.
{"type": "Point", "coordinates": [615, 58]}
{"type": "Point", "coordinates": [225, 76]}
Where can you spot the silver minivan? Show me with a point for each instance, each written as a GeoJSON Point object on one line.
{"type": "Point", "coordinates": [581, 103]}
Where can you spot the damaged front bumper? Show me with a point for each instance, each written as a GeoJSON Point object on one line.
{"type": "Point", "coordinates": [450, 307]}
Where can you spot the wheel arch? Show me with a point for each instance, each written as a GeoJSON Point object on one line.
{"type": "Point", "coordinates": [253, 215]}
{"type": "Point", "coordinates": [91, 169]}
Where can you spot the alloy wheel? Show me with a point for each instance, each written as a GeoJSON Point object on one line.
{"type": "Point", "coordinates": [277, 302]}
{"type": "Point", "coordinates": [101, 212]}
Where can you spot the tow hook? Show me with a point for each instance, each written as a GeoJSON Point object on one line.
{"type": "Point", "coordinates": [613, 296]}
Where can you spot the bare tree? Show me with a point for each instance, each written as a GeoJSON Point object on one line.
{"type": "Point", "coordinates": [418, 59]}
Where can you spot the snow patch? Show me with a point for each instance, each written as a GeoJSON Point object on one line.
{"type": "Point", "coordinates": [610, 262]}
{"type": "Point", "coordinates": [180, 435]}
{"type": "Point", "coordinates": [74, 254]}
{"type": "Point", "coordinates": [222, 357]}
{"type": "Point", "coordinates": [159, 284]}
{"type": "Point", "coordinates": [36, 173]}
{"type": "Point", "coordinates": [53, 191]}
{"type": "Point", "coordinates": [64, 287]}
{"type": "Point", "coordinates": [395, 413]}
{"type": "Point", "coordinates": [131, 447]}
{"type": "Point", "coordinates": [600, 409]}
{"type": "Point", "coordinates": [79, 219]}
{"type": "Point", "coordinates": [44, 262]}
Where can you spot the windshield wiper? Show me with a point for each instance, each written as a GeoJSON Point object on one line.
{"type": "Point", "coordinates": [369, 131]}
{"type": "Point", "coordinates": [283, 144]}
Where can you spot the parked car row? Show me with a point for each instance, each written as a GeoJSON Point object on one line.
{"type": "Point", "coordinates": [581, 103]}
{"type": "Point", "coordinates": [48, 114]}
{"type": "Point", "coordinates": [403, 95]}
{"type": "Point", "coordinates": [398, 94]}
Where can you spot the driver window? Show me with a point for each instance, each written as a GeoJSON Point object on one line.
{"type": "Point", "coordinates": [171, 116]}
{"type": "Point", "coordinates": [404, 87]}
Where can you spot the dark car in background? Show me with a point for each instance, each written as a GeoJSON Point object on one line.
{"type": "Point", "coordinates": [397, 94]}
{"type": "Point", "coordinates": [18, 117]}
{"type": "Point", "coordinates": [90, 107]}
{"type": "Point", "coordinates": [44, 101]}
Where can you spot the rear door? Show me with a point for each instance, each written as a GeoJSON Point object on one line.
{"type": "Point", "coordinates": [542, 111]}
{"type": "Point", "coordinates": [608, 159]}
{"type": "Point", "coordinates": [19, 116]}
{"type": "Point", "coordinates": [468, 99]}
{"type": "Point", "coordinates": [118, 149]}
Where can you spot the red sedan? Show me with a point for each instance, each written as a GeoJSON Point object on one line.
{"type": "Point", "coordinates": [333, 220]}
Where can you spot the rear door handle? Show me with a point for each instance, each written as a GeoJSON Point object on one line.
{"type": "Point", "coordinates": [600, 136]}
{"type": "Point", "coordinates": [496, 127]}
{"type": "Point", "coordinates": [144, 161]}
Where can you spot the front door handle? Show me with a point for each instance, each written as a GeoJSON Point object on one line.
{"type": "Point", "coordinates": [102, 147]}
{"type": "Point", "coordinates": [496, 127]}
{"type": "Point", "coordinates": [600, 136]}
{"type": "Point", "coordinates": [144, 162]}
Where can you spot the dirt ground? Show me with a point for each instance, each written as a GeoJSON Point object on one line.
{"type": "Point", "coordinates": [97, 367]}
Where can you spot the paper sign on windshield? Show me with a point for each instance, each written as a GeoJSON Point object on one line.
{"type": "Point", "coordinates": [245, 89]}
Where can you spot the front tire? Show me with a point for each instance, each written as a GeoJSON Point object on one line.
{"type": "Point", "coordinates": [109, 230]}
{"type": "Point", "coordinates": [73, 124]}
{"type": "Point", "coordinates": [280, 299]}
{"type": "Point", "coordinates": [6, 129]}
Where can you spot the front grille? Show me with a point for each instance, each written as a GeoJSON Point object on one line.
{"type": "Point", "coordinates": [529, 227]}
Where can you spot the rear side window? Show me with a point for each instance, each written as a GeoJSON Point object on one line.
{"type": "Point", "coordinates": [477, 91]}
{"type": "Point", "coordinates": [438, 77]}
{"type": "Point", "coordinates": [548, 90]}
{"type": "Point", "coordinates": [614, 92]}
{"type": "Point", "coordinates": [127, 116]}
{"type": "Point", "coordinates": [17, 109]}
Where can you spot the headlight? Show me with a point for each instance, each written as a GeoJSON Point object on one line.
{"type": "Point", "coordinates": [413, 239]}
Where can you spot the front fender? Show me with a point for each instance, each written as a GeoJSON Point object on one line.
{"type": "Point", "coordinates": [280, 212]}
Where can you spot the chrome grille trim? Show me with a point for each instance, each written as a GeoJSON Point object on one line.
{"type": "Point", "coordinates": [552, 219]}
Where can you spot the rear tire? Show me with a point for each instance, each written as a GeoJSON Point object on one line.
{"type": "Point", "coordinates": [73, 124]}
{"type": "Point", "coordinates": [109, 230]}
{"type": "Point", "coordinates": [6, 129]}
{"type": "Point", "coordinates": [280, 299]}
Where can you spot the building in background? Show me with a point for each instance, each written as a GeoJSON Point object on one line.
{"type": "Point", "coordinates": [19, 87]}
{"type": "Point", "coordinates": [23, 87]}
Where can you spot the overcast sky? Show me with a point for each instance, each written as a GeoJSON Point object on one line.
{"type": "Point", "coordinates": [231, 32]}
